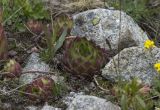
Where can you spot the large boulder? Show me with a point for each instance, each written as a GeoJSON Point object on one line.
{"type": "Point", "coordinates": [133, 62]}
{"type": "Point", "coordinates": [101, 24]}
{"type": "Point", "coordinates": [86, 102]}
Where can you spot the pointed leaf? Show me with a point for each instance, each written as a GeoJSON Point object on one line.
{"type": "Point", "coordinates": [124, 102]}
{"type": "Point", "coordinates": [60, 40]}
{"type": "Point", "coordinates": [140, 101]}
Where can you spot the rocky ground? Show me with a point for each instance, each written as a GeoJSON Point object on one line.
{"type": "Point", "coordinates": [126, 45]}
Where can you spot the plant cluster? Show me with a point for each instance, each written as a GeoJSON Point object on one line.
{"type": "Point", "coordinates": [132, 95]}
{"type": "Point", "coordinates": [55, 35]}
{"type": "Point", "coordinates": [17, 12]}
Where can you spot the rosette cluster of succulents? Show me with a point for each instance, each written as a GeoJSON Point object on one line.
{"type": "Point", "coordinates": [83, 57]}
{"type": "Point", "coordinates": [3, 44]}
{"type": "Point", "coordinates": [41, 88]}
{"type": "Point", "coordinates": [13, 68]}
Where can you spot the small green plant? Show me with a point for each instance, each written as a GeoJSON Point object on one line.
{"type": "Point", "coordinates": [34, 9]}
{"type": "Point", "coordinates": [132, 95]}
{"type": "Point", "coordinates": [55, 36]}
{"type": "Point", "coordinates": [83, 57]}
{"type": "Point", "coordinates": [17, 12]}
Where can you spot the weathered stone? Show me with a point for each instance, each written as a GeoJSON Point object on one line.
{"type": "Point", "coordinates": [101, 24]}
{"type": "Point", "coordinates": [45, 107]}
{"type": "Point", "coordinates": [133, 62]}
{"type": "Point", "coordinates": [31, 108]}
{"type": "Point", "coordinates": [86, 102]}
{"type": "Point", "coordinates": [34, 64]}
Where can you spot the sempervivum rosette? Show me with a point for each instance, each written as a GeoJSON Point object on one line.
{"type": "Point", "coordinates": [41, 88]}
{"type": "Point", "coordinates": [35, 26]}
{"type": "Point", "coordinates": [83, 57]}
{"type": "Point", "coordinates": [13, 68]}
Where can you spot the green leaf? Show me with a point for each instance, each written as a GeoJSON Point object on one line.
{"type": "Point", "coordinates": [124, 104]}
{"type": "Point", "coordinates": [140, 101]}
{"type": "Point", "coordinates": [60, 40]}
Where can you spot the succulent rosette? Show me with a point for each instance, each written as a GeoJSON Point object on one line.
{"type": "Point", "coordinates": [35, 26]}
{"type": "Point", "coordinates": [13, 68]}
{"type": "Point", "coordinates": [83, 57]}
{"type": "Point", "coordinates": [3, 44]}
{"type": "Point", "coordinates": [41, 88]}
{"type": "Point", "coordinates": [60, 22]}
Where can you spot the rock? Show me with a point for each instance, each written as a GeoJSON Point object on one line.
{"type": "Point", "coordinates": [34, 64]}
{"type": "Point", "coordinates": [133, 62]}
{"type": "Point", "coordinates": [101, 24]}
{"type": "Point", "coordinates": [58, 79]}
{"type": "Point", "coordinates": [31, 108]}
{"type": "Point", "coordinates": [45, 107]}
{"type": "Point", "coordinates": [86, 102]}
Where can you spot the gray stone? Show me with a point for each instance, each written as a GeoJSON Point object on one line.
{"type": "Point", "coordinates": [34, 64]}
{"type": "Point", "coordinates": [31, 108]}
{"type": "Point", "coordinates": [133, 62]}
{"type": "Point", "coordinates": [101, 24]}
{"type": "Point", "coordinates": [86, 102]}
{"type": "Point", "coordinates": [45, 107]}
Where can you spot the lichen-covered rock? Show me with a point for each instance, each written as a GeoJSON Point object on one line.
{"type": "Point", "coordinates": [102, 24]}
{"type": "Point", "coordinates": [133, 62]}
{"type": "Point", "coordinates": [86, 102]}
{"type": "Point", "coordinates": [34, 64]}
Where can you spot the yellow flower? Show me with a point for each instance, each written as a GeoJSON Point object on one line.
{"type": "Point", "coordinates": [157, 67]}
{"type": "Point", "coordinates": [149, 44]}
